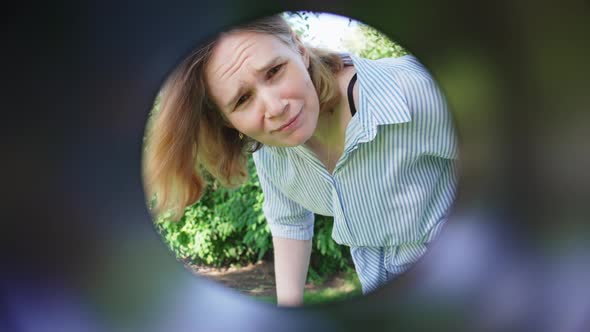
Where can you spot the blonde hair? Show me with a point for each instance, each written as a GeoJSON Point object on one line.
{"type": "Point", "coordinates": [189, 132]}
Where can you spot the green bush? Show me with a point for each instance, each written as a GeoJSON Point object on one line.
{"type": "Point", "coordinates": [227, 227]}
{"type": "Point", "coordinates": [224, 227]}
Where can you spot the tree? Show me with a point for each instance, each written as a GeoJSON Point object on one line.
{"type": "Point", "coordinates": [370, 43]}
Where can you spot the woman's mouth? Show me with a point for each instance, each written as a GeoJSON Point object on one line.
{"type": "Point", "coordinates": [289, 125]}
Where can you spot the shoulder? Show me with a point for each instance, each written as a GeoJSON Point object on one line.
{"type": "Point", "coordinates": [402, 69]}
{"type": "Point", "coordinates": [397, 90]}
{"type": "Point", "coordinates": [410, 76]}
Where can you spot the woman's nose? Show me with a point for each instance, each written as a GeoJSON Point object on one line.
{"type": "Point", "coordinates": [274, 105]}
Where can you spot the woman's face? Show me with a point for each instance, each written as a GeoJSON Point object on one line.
{"type": "Point", "coordinates": [263, 88]}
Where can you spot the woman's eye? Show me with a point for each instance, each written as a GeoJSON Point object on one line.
{"type": "Point", "coordinates": [274, 70]}
{"type": "Point", "coordinates": [242, 100]}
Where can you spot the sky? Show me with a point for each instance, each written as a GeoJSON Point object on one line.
{"type": "Point", "coordinates": [331, 31]}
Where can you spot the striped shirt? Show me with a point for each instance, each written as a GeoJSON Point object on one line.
{"type": "Point", "coordinates": [396, 179]}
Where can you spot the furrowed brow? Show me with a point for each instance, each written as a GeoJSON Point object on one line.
{"type": "Point", "coordinates": [269, 64]}
{"type": "Point", "coordinates": [240, 91]}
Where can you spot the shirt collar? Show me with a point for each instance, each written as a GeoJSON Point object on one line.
{"type": "Point", "coordinates": [375, 79]}
{"type": "Point", "coordinates": [381, 99]}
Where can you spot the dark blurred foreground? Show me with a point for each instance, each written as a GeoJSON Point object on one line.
{"type": "Point", "coordinates": [80, 253]}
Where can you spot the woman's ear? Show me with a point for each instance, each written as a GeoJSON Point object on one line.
{"type": "Point", "coordinates": [301, 48]}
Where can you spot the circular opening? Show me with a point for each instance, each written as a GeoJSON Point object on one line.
{"type": "Point", "coordinates": [300, 158]}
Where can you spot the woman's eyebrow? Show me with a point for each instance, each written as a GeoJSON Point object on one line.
{"type": "Point", "coordinates": [262, 69]}
{"type": "Point", "coordinates": [269, 64]}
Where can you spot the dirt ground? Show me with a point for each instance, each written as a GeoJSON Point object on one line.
{"type": "Point", "coordinates": [258, 279]}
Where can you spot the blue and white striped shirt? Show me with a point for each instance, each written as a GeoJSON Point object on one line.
{"type": "Point", "coordinates": [396, 179]}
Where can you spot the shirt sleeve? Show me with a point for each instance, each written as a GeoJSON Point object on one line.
{"type": "Point", "coordinates": [286, 218]}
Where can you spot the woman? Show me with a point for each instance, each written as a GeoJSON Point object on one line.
{"type": "Point", "coordinates": [368, 142]}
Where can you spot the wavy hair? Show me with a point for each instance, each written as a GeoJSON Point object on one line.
{"type": "Point", "coordinates": [189, 133]}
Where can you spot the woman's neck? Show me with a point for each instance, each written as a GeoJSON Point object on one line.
{"type": "Point", "coordinates": [328, 138]}
{"type": "Point", "coordinates": [331, 126]}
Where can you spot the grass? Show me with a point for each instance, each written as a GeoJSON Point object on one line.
{"type": "Point", "coordinates": [350, 287]}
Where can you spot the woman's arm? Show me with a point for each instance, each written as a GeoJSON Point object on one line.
{"type": "Point", "coordinates": [291, 263]}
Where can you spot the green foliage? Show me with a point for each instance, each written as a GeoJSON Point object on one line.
{"type": "Point", "coordinates": [327, 255]}
{"type": "Point", "coordinates": [299, 22]}
{"type": "Point", "coordinates": [376, 45]}
{"type": "Point", "coordinates": [227, 227]}
{"type": "Point", "coordinates": [224, 227]}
